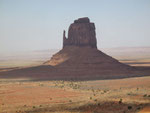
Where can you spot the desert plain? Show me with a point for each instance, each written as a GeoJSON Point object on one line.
{"type": "Point", "coordinates": [128, 95]}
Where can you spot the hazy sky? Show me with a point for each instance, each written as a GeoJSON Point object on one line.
{"type": "Point", "coordinates": [38, 24]}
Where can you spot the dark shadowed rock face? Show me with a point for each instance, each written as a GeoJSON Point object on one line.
{"type": "Point", "coordinates": [81, 33]}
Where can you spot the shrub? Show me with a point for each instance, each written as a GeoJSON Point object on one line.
{"type": "Point", "coordinates": [120, 101]}
{"type": "Point", "coordinates": [129, 107]}
{"type": "Point", "coordinates": [129, 94]}
{"type": "Point", "coordinates": [105, 91]}
{"type": "Point", "coordinates": [41, 84]}
{"type": "Point", "coordinates": [98, 104]}
{"type": "Point", "coordinates": [139, 108]}
{"type": "Point", "coordinates": [95, 100]}
{"type": "Point", "coordinates": [50, 98]}
{"type": "Point", "coordinates": [40, 106]}
{"type": "Point", "coordinates": [25, 105]}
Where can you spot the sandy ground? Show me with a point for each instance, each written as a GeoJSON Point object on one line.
{"type": "Point", "coordinates": [130, 95]}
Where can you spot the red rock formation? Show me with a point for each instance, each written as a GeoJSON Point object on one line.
{"type": "Point", "coordinates": [81, 33]}
{"type": "Point", "coordinates": [80, 52]}
{"type": "Point", "coordinates": [79, 59]}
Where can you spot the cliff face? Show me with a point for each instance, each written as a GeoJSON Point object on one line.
{"type": "Point", "coordinates": [81, 33]}
{"type": "Point", "coordinates": [79, 58]}
{"type": "Point", "coordinates": [80, 49]}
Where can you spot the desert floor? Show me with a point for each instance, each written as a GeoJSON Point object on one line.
{"type": "Point", "coordinates": [129, 95]}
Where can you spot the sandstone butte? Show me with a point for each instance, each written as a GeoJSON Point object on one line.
{"type": "Point", "coordinates": [79, 59]}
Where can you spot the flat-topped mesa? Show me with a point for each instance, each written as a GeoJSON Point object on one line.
{"type": "Point", "coordinates": [81, 33]}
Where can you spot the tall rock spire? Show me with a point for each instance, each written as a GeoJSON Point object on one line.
{"type": "Point", "coordinates": [64, 38]}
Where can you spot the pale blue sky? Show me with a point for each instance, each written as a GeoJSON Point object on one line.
{"type": "Point", "coordinates": [38, 24]}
